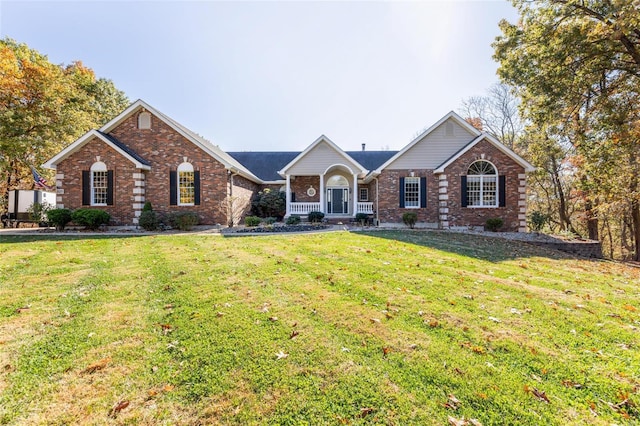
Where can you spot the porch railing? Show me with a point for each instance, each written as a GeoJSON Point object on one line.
{"type": "Point", "coordinates": [303, 208]}
{"type": "Point", "coordinates": [365, 208]}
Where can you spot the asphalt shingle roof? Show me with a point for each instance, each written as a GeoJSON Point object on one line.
{"type": "Point", "coordinates": [266, 165]}
{"type": "Point", "coordinates": [125, 148]}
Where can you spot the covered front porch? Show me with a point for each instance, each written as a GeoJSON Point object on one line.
{"type": "Point", "coordinates": [335, 192]}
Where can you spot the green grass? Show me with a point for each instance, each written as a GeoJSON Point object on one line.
{"type": "Point", "coordinates": [391, 328]}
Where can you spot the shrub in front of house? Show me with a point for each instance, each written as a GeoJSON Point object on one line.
{"type": "Point", "coordinates": [149, 220]}
{"type": "Point", "coordinates": [362, 218]}
{"type": "Point", "coordinates": [269, 203]}
{"type": "Point", "coordinates": [315, 217]}
{"type": "Point", "coordinates": [184, 221]}
{"type": "Point", "coordinates": [90, 218]}
{"type": "Point", "coordinates": [59, 217]}
{"type": "Point", "coordinates": [293, 220]}
{"type": "Point", "coordinates": [147, 207]}
{"type": "Point", "coordinates": [252, 221]}
{"type": "Point", "coordinates": [270, 220]}
{"type": "Point", "coordinates": [494, 224]}
{"type": "Point", "coordinates": [410, 219]}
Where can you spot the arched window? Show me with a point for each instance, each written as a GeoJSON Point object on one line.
{"type": "Point", "coordinates": [482, 185]}
{"type": "Point", "coordinates": [144, 120]}
{"type": "Point", "coordinates": [99, 184]}
{"type": "Point", "coordinates": [337, 180]}
{"type": "Point", "coordinates": [186, 184]}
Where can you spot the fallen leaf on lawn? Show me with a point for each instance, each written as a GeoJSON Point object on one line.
{"type": "Point", "coordinates": [96, 366]}
{"type": "Point", "coordinates": [281, 355]}
{"type": "Point", "coordinates": [385, 351]}
{"type": "Point", "coordinates": [345, 349]}
{"type": "Point", "coordinates": [515, 311]}
{"type": "Point", "coordinates": [219, 314]}
{"type": "Point", "coordinates": [273, 319]}
{"type": "Point", "coordinates": [168, 388]}
{"type": "Point", "coordinates": [452, 403]}
{"type": "Point", "coordinates": [630, 308]}
{"type": "Point", "coordinates": [23, 309]}
{"type": "Point", "coordinates": [541, 395]}
{"type": "Point", "coordinates": [463, 422]}
{"type": "Point", "coordinates": [118, 407]}
{"type": "Point", "coordinates": [571, 384]}
{"type": "Point", "coordinates": [494, 319]}
{"type": "Point", "coordinates": [168, 306]}
{"type": "Point", "coordinates": [294, 333]}
{"type": "Point", "coordinates": [364, 412]}
{"type": "Point", "coordinates": [460, 372]}
{"type": "Point", "coordinates": [374, 320]}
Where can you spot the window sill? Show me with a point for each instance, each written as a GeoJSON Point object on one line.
{"type": "Point", "coordinates": [186, 205]}
{"type": "Point", "coordinates": [483, 207]}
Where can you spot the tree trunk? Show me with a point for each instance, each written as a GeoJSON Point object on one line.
{"type": "Point", "coordinates": [635, 217]}
{"type": "Point", "coordinates": [592, 220]}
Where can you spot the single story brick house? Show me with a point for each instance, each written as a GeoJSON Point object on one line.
{"type": "Point", "coordinates": [450, 175]}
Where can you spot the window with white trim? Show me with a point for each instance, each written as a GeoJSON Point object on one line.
{"type": "Point", "coordinates": [482, 185]}
{"type": "Point", "coordinates": [412, 192]}
{"type": "Point", "coordinates": [363, 194]}
{"type": "Point", "coordinates": [186, 185]}
{"type": "Point", "coordinates": [99, 184]}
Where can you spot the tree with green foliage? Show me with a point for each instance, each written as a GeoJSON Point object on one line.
{"type": "Point", "coordinates": [43, 108]}
{"type": "Point", "coordinates": [576, 67]}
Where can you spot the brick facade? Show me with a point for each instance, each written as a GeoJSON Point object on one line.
{"type": "Point", "coordinates": [444, 198]}
{"type": "Point", "coordinates": [165, 149]}
{"type": "Point", "coordinates": [467, 216]}
{"type": "Point", "coordinates": [389, 210]}
{"type": "Point", "coordinates": [69, 180]}
{"type": "Point", "coordinates": [225, 195]}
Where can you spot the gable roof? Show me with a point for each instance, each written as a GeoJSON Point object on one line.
{"type": "Point", "coordinates": [114, 143]}
{"type": "Point", "coordinates": [451, 115]}
{"type": "Point", "coordinates": [211, 149]}
{"type": "Point", "coordinates": [328, 141]}
{"type": "Point", "coordinates": [495, 142]}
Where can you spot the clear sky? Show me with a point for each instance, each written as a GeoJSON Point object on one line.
{"type": "Point", "coordinates": [262, 76]}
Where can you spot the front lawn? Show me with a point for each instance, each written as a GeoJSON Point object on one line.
{"type": "Point", "coordinates": [334, 328]}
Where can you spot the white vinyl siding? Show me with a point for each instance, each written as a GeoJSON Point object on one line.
{"type": "Point", "coordinates": [435, 148]}
{"type": "Point", "coordinates": [316, 161]}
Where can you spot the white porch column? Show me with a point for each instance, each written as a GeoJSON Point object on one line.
{"type": "Point", "coordinates": [288, 196]}
{"type": "Point", "coordinates": [355, 194]}
{"type": "Point", "coordinates": [323, 206]}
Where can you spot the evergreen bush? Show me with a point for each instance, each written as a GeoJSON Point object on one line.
{"type": "Point", "coordinates": [410, 219]}
{"type": "Point", "coordinates": [90, 218]}
{"type": "Point", "coordinates": [59, 217]}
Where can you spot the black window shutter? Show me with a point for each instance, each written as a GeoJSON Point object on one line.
{"type": "Point", "coordinates": [463, 191]}
{"type": "Point", "coordinates": [109, 187]}
{"type": "Point", "coordinates": [196, 187]}
{"type": "Point", "coordinates": [86, 188]}
{"type": "Point", "coordinates": [401, 192]}
{"type": "Point", "coordinates": [502, 195]}
{"type": "Point", "coordinates": [173, 188]}
{"type": "Point", "coordinates": [293, 197]}
{"type": "Point", "coordinates": [423, 192]}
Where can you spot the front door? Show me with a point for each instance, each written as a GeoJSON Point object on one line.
{"type": "Point", "coordinates": [337, 200]}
